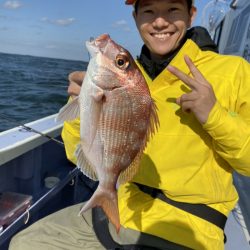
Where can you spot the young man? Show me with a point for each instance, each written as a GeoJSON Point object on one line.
{"type": "Point", "coordinates": [184, 190]}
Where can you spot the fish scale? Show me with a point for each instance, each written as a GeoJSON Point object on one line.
{"type": "Point", "coordinates": [116, 130]}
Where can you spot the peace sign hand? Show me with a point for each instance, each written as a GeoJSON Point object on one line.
{"type": "Point", "coordinates": [201, 99]}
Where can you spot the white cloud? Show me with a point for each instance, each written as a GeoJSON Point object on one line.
{"type": "Point", "coordinates": [44, 19]}
{"type": "Point", "coordinates": [29, 43]}
{"type": "Point", "coordinates": [122, 24]}
{"type": "Point", "coordinates": [12, 4]}
{"type": "Point", "coordinates": [119, 23]}
{"type": "Point", "coordinates": [64, 22]}
{"type": "Point", "coordinates": [60, 22]}
{"type": "Point", "coordinates": [50, 46]}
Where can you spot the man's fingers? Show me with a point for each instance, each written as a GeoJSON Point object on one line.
{"type": "Point", "coordinates": [195, 72]}
{"type": "Point", "coordinates": [187, 101]}
{"type": "Point", "coordinates": [187, 106]}
{"type": "Point", "coordinates": [192, 96]}
{"type": "Point", "coordinates": [74, 89]}
{"type": "Point", "coordinates": [75, 82]}
{"type": "Point", "coordinates": [77, 77]}
{"type": "Point", "coordinates": [197, 80]}
{"type": "Point", "coordinates": [183, 77]}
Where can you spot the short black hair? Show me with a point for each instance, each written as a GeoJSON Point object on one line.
{"type": "Point", "coordinates": [189, 3]}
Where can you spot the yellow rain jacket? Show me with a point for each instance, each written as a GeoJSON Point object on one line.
{"type": "Point", "coordinates": [189, 162]}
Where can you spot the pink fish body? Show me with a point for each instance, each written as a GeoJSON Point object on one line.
{"type": "Point", "coordinates": [117, 117]}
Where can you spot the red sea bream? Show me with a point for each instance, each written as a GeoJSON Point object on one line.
{"type": "Point", "coordinates": [117, 117]}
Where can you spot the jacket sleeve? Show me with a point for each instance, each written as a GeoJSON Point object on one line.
{"type": "Point", "coordinates": [230, 129]}
{"type": "Point", "coordinates": [71, 138]}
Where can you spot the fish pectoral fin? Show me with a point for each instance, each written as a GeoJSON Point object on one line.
{"type": "Point", "coordinates": [97, 93]}
{"type": "Point", "coordinates": [95, 114]}
{"type": "Point", "coordinates": [70, 111]}
{"type": "Point", "coordinates": [84, 164]}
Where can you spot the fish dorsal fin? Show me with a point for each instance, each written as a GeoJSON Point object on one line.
{"type": "Point", "coordinates": [84, 164]}
{"type": "Point", "coordinates": [70, 111]}
{"type": "Point", "coordinates": [128, 173]}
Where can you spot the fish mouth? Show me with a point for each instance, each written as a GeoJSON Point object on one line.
{"type": "Point", "coordinates": [97, 45]}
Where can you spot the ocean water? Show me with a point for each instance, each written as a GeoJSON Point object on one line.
{"type": "Point", "coordinates": [32, 87]}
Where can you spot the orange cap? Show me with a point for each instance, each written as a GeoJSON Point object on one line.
{"type": "Point", "coordinates": [130, 1]}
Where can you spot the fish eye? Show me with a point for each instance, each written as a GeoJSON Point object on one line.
{"type": "Point", "coordinates": [122, 61]}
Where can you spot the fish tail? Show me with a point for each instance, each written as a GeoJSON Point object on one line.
{"type": "Point", "coordinates": [109, 203]}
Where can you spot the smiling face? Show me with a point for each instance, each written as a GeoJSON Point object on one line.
{"type": "Point", "coordinates": [162, 24]}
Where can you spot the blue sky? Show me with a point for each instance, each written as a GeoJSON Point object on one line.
{"type": "Point", "coordinates": [58, 28]}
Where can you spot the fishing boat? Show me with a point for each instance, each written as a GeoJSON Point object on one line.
{"type": "Point", "coordinates": [36, 178]}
